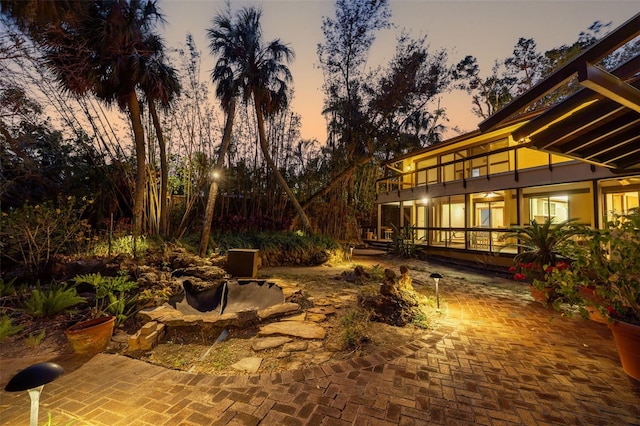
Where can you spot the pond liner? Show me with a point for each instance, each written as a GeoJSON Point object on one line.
{"type": "Point", "coordinates": [229, 297]}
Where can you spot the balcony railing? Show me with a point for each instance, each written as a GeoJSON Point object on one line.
{"type": "Point", "coordinates": [478, 239]}
{"type": "Point", "coordinates": [498, 161]}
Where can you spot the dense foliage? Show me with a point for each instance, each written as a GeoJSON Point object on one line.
{"type": "Point", "coordinates": [607, 262]}
{"type": "Point", "coordinates": [150, 161]}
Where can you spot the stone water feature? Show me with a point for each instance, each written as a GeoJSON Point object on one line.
{"type": "Point", "coordinates": [224, 302]}
{"type": "Point", "coordinates": [213, 300]}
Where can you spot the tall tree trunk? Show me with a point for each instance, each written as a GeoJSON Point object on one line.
{"type": "Point", "coordinates": [141, 171]}
{"type": "Point", "coordinates": [164, 171]}
{"type": "Point", "coordinates": [267, 156]}
{"type": "Point", "coordinates": [213, 188]}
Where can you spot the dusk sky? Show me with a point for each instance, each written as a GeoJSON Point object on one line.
{"type": "Point", "coordinates": [487, 30]}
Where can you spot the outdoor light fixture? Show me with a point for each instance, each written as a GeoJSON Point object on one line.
{"type": "Point", "coordinates": [425, 200]}
{"type": "Point", "coordinates": [32, 379]}
{"type": "Point", "coordinates": [215, 174]}
{"type": "Point", "coordinates": [436, 277]}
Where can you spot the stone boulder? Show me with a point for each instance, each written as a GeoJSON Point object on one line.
{"type": "Point", "coordinates": [357, 276]}
{"type": "Point", "coordinates": [204, 273]}
{"type": "Point", "coordinates": [405, 282]}
{"type": "Point", "coordinates": [397, 304]}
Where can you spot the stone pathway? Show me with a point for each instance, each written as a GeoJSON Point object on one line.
{"type": "Point", "coordinates": [496, 359]}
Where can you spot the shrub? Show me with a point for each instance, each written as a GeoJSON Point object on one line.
{"type": "Point", "coordinates": [356, 324]}
{"type": "Point", "coordinates": [7, 328]}
{"type": "Point", "coordinates": [609, 262]}
{"type": "Point", "coordinates": [7, 288]}
{"type": "Point", "coordinates": [33, 234]}
{"type": "Point", "coordinates": [120, 245]}
{"type": "Point", "coordinates": [404, 241]}
{"type": "Point", "coordinates": [35, 340]}
{"type": "Point", "coordinates": [280, 247]}
{"type": "Point", "coordinates": [377, 272]}
{"type": "Point", "coordinates": [52, 302]}
{"type": "Point", "coordinates": [542, 245]}
{"type": "Point", "coordinates": [112, 295]}
{"type": "Point", "coordinates": [421, 319]}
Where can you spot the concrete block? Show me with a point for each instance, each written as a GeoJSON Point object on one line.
{"type": "Point", "coordinates": [148, 328]}
{"type": "Point", "coordinates": [149, 341]}
{"type": "Point", "coordinates": [134, 341]}
{"type": "Point", "coordinates": [243, 263]}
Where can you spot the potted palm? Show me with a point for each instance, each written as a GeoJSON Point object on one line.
{"type": "Point", "coordinates": [540, 250]}
{"type": "Point", "coordinates": [112, 306]}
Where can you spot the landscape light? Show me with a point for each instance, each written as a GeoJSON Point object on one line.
{"type": "Point", "coordinates": [436, 277]}
{"type": "Point", "coordinates": [32, 379]}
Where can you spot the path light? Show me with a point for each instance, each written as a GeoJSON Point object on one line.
{"type": "Point", "coordinates": [436, 277]}
{"type": "Point", "coordinates": [32, 379]}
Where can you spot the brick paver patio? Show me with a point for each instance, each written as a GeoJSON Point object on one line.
{"type": "Point", "coordinates": [496, 359]}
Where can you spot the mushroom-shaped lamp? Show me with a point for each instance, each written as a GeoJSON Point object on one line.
{"type": "Point", "coordinates": [32, 379]}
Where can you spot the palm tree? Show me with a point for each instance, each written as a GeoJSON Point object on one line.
{"type": "Point", "coordinates": [263, 76]}
{"type": "Point", "coordinates": [161, 84]}
{"type": "Point", "coordinates": [30, 14]}
{"type": "Point", "coordinates": [105, 50]}
{"type": "Point", "coordinates": [223, 39]}
{"type": "Point", "coordinates": [543, 245]}
{"type": "Point", "coordinates": [99, 47]}
{"type": "Point", "coordinates": [249, 67]}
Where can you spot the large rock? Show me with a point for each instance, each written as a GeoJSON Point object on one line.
{"type": "Point", "coordinates": [299, 317]}
{"type": "Point", "coordinates": [299, 346]}
{"type": "Point", "coordinates": [277, 310]}
{"type": "Point", "coordinates": [248, 365]}
{"type": "Point", "coordinates": [303, 329]}
{"type": "Point", "coordinates": [269, 343]}
{"type": "Point", "coordinates": [180, 258]}
{"type": "Point", "coordinates": [405, 281]}
{"type": "Point", "coordinates": [204, 272]}
{"type": "Point", "coordinates": [391, 309]}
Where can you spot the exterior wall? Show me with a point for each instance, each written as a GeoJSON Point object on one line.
{"type": "Point", "coordinates": [459, 198]}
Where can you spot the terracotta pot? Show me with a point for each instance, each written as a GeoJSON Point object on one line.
{"type": "Point", "coordinates": [591, 300]}
{"type": "Point", "coordinates": [627, 338]}
{"type": "Point", "coordinates": [595, 315]}
{"type": "Point", "coordinates": [543, 295]}
{"type": "Point", "coordinates": [92, 336]}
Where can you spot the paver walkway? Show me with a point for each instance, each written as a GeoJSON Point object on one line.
{"type": "Point", "coordinates": [496, 359]}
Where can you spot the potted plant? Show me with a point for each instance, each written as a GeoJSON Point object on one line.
{"type": "Point", "coordinates": [575, 285]}
{"type": "Point", "coordinates": [112, 307]}
{"type": "Point", "coordinates": [615, 265]}
{"type": "Point", "coordinates": [542, 248]}
{"type": "Point", "coordinates": [605, 276]}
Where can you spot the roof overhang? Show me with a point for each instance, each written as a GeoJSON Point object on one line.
{"type": "Point", "coordinates": [599, 124]}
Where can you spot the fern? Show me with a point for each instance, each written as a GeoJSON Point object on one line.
{"type": "Point", "coordinates": [35, 340]}
{"type": "Point", "coordinates": [7, 328]}
{"type": "Point", "coordinates": [7, 288]}
{"type": "Point", "coordinates": [52, 302]}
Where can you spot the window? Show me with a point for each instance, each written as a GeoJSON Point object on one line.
{"type": "Point", "coordinates": [620, 203]}
{"type": "Point", "coordinates": [448, 214]}
{"type": "Point", "coordinates": [549, 206]}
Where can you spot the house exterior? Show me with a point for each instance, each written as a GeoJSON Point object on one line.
{"type": "Point", "coordinates": [578, 159]}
